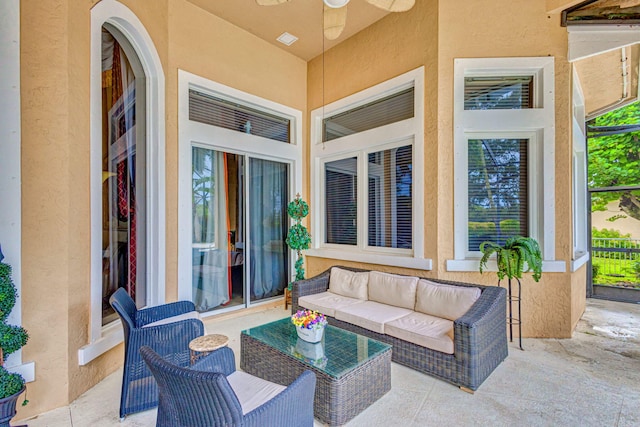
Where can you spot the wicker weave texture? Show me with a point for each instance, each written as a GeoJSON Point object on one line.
{"type": "Point", "coordinates": [139, 389]}
{"type": "Point", "coordinates": [201, 395]}
{"type": "Point", "coordinates": [337, 400]}
{"type": "Point", "coordinates": [480, 336]}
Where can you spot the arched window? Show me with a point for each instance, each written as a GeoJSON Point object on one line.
{"type": "Point", "coordinates": [127, 170]}
{"type": "Point", "coordinates": [123, 171]}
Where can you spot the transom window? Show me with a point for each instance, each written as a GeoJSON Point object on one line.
{"type": "Point", "coordinates": [498, 92]}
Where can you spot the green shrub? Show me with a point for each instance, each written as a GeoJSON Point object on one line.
{"type": "Point", "coordinates": [595, 270]}
{"type": "Point", "coordinates": [607, 233]}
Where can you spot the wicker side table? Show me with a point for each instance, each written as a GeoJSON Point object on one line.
{"type": "Point", "coordinates": [205, 344]}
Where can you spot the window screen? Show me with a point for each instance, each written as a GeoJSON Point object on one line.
{"type": "Point", "coordinates": [380, 112]}
{"type": "Point", "coordinates": [223, 113]}
{"type": "Point", "coordinates": [341, 186]}
{"type": "Point", "coordinates": [498, 93]}
{"type": "Point", "coordinates": [498, 193]}
{"type": "Point", "coordinates": [390, 198]}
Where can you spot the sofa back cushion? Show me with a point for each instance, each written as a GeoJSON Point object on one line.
{"type": "Point", "coordinates": [392, 289]}
{"type": "Point", "coordinates": [349, 283]}
{"type": "Point", "coordinates": [445, 301]}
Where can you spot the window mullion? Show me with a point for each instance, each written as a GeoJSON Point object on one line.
{"type": "Point", "coordinates": [363, 200]}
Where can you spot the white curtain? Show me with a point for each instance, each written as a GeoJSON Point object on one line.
{"type": "Point", "coordinates": [268, 198]}
{"type": "Point", "coordinates": [210, 249]}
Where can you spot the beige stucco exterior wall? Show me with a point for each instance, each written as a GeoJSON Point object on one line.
{"type": "Point", "coordinates": [48, 123]}
{"type": "Point", "coordinates": [578, 293]}
{"type": "Point", "coordinates": [602, 77]}
{"type": "Point", "coordinates": [433, 34]}
{"type": "Point", "coordinates": [55, 82]}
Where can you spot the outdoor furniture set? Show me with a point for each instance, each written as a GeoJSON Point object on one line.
{"type": "Point", "coordinates": [450, 330]}
{"type": "Point", "coordinates": [453, 331]}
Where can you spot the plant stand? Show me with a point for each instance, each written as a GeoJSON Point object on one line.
{"type": "Point", "coordinates": [514, 319]}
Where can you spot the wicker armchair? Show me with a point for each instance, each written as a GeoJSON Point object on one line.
{"type": "Point", "coordinates": [211, 393]}
{"type": "Point", "coordinates": [170, 338]}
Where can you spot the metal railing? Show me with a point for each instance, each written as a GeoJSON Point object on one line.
{"type": "Point", "coordinates": [615, 259]}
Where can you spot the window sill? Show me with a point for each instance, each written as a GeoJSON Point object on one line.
{"type": "Point", "coordinates": [112, 335]}
{"type": "Point", "coordinates": [370, 258]}
{"type": "Point", "coordinates": [474, 265]}
{"type": "Point", "coordinates": [581, 260]}
{"type": "Point", "coordinates": [27, 370]}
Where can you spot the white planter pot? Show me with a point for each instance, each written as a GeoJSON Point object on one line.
{"type": "Point", "coordinates": [310, 335]}
{"type": "Point", "coordinates": [312, 351]}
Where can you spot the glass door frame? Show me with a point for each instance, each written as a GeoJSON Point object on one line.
{"type": "Point", "coordinates": [247, 303]}
{"type": "Point", "coordinates": [230, 141]}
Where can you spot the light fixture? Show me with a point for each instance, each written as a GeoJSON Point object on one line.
{"type": "Point", "coordinates": [335, 3]}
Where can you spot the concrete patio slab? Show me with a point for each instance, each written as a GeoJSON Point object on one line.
{"type": "Point", "coordinates": [589, 380]}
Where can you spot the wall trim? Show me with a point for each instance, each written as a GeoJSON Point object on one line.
{"type": "Point", "coordinates": [10, 167]}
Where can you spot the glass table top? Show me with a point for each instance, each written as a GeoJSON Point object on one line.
{"type": "Point", "coordinates": [337, 354]}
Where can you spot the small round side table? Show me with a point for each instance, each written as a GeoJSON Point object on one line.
{"type": "Point", "coordinates": [205, 344]}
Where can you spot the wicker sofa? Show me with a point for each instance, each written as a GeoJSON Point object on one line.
{"type": "Point", "coordinates": [478, 336]}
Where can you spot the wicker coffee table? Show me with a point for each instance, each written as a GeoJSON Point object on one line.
{"type": "Point", "coordinates": [352, 370]}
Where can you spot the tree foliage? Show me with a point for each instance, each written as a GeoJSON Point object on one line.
{"type": "Point", "coordinates": [614, 160]}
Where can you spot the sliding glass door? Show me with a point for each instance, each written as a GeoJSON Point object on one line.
{"type": "Point", "coordinates": [268, 224]}
{"type": "Point", "coordinates": [238, 241]}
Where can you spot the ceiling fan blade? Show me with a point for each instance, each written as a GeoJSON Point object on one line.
{"type": "Point", "coordinates": [271, 2]}
{"type": "Point", "coordinates": [334, 21]}
{"type": "Point", "coordinates": [393, 5]}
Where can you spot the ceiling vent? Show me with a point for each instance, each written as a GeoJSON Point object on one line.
{"type": "Point", "coordinates": [286, 38]}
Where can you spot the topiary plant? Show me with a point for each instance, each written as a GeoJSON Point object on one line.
{"type": "Point", "coordinates": [298, 237]}
{"type": "Point", "coordinates": [12, 337]}
{"type": "Point", "coordinates": [10, 383]}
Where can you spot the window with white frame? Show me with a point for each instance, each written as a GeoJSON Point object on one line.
{"type": "Point", "coordinates": [131, 255]}
{"type": "Point", "coordinates": [504, 166]}
{"type": "Point", "coordinates": [579, 200]}
{"type": "Point", "coordinates": [366, 199]}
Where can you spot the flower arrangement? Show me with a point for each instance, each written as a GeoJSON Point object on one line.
{"type": "Point", "coordinates": [309, 319]}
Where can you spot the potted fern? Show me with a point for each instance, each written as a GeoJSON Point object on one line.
{"type": "Point", "coordinates": [12, 338]}
{"type": "Point", "coordinates": [511, 259]}
{"type": "Point", "coordinates": [512, 256]}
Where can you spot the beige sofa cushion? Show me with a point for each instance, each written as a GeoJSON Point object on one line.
{"type": "Point", "coordinates": [371, 315]}
{"type": "Point", "coordinates": [392, 289]}
{"type": "Point", "coordinates": [421, 329]}
{"type": "Point", "coordinates": [327, 302]}
{"type": "Point", "coordinates": [446, 301]}
{"type": "Point", "coordinates": [349, 283]}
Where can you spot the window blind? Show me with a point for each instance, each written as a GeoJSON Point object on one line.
{"type": "Point", "coordinates": [390, 198]}
{"type": "Point", "coordinates": [498, 93]}
{"type": "Point", "coordinates": [393, 108]}
{"type": "Point", "coordinates": [211, 110]}
{"type": "Point", "coordinates": [497, 190]}
{"type": "Point", "coordinates": [341, 187]}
